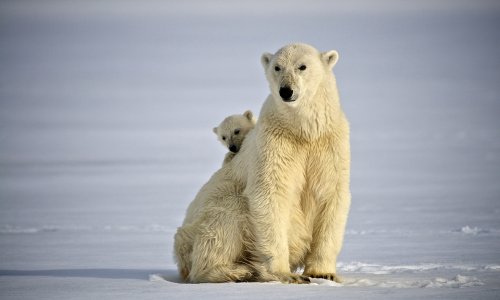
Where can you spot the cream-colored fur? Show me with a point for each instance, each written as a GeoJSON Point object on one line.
{"type": "Point", "coordinates": [296, 165]}
{"type": "Point", "coordinates": [233, 130]}
{"type": "Point", "coordinates": [209, 246]}
{"type": "Point", "coordinates": [282, 202]}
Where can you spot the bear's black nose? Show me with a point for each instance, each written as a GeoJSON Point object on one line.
{"type": "Point", "coordinates": [233, 148]}
{"type": "Point", "coordinates": [286, 93]}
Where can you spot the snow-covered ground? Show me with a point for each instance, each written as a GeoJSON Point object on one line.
{"type": "Point", "coordinates": [106, 110]}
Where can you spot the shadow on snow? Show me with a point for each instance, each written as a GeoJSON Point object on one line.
{"type": "Point", "coordinates": [168, 275]}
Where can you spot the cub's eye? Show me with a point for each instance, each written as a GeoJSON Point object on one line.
{"type": "Point", "coordinates": [237, 131]}
{"type": "Point", "coordinates": [277, 69]}
{"type": "Point", "coordinates": [223, 138]}
{"type": "Point", "coordinates": [302, 68]}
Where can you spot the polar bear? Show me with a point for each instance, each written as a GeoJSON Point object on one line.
{"type": "Point", "coordinates": [210, 245]}
{"type": "Point", "coordinates": [282, 202]}
{"type": "Point", "coordinates": [295, 166]}
{"type": "Point", "coordinates": [232, 131]}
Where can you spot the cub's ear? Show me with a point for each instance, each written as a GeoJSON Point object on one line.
{"type": "Point", "coordinates": [330, 58]}
{"type": "Point", "coordinates": [215, 130]}
{"type": "Point", "coordinates": [266, 59]}
{"type": "Point", "coordinates": [249, 115]}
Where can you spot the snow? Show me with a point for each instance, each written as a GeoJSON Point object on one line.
{"type": "Point", "coordinates": [106, 110]}
{"type": "Point", "coordinates": [473, 230]}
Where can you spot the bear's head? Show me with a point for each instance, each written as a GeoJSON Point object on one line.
{"type": "Point", "coordinates": [233, 130]}
{"type": "Point", "coordinates": [295, 71]}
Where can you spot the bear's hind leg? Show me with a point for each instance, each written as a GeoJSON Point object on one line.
{"type": "Point", "coordinates": [183, 247]}
{"type": "Point", "coordinates": [218, 253]}
{"type": "Point", "coordinates": [223, 273]}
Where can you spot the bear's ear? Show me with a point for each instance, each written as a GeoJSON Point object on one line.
{"type": "Point", "coordinates": [266, 59]}
{"type": "Point", "coordinates": [330, 58]}
{"type": "Point", "coordinates": [215, 130]}
{"type": "Point", "coordinates": [249, 115]}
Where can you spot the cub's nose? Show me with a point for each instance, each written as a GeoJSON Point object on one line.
{"type": "Point", "coordinates": [233, 148]}
{"type": "Point", "coordinates": [286, 93]}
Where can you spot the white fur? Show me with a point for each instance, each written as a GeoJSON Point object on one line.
{"type": "Point", "coordinates": [232, 131]}
{"type": "Point", "coordinates": [209, 245]}
{"type": "Point", "coordinates": [296, 164]}
{"type": "Point", "coordinates": [282, 202]}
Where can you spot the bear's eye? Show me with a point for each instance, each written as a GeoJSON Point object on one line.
{"type": "Point", "coordinates": [237, 131]}
{"type": "Point", "coordinates": [223, 138]}
{"type": "Point", "coordinates": [277, 69]}
{"type": "Point", "coordinates": [302, 67]}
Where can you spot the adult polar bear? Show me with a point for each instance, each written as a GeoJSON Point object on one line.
{"type": "Point", "coordinates": [299, 166]}
{"type": "Point", "coordinates": [295, 168]}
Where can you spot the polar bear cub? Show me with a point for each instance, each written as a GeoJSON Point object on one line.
{"type": "Point", "coordinates": [232, 131]}
{"type": "Point", "coordinates": [210, 244]}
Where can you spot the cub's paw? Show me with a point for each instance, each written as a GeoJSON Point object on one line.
{"type": "Point", "coordinates": [328, 276]}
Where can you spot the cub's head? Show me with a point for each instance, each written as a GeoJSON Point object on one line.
{"type": "Point", "coordinates": [233, 130]}
{"type": "Point", "coordinates": [296, 70]}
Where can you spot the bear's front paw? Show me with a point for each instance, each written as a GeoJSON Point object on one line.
{"type": "Point", "coordinates": [329, 276]}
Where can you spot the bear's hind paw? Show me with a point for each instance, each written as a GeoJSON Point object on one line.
{"type": "Point", "coordinates": [328, 276]}
{"type": "Point", "coordinates": [293, 278]}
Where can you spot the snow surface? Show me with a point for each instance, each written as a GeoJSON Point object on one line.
{"type": "Point", "coordinates": [106, 110]}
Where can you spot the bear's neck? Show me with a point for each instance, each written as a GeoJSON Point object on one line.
{"type": "Point", "coordinates": [315, 116]}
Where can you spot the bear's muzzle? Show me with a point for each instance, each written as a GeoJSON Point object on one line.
{"type": "Point", "coordinates": [286, 94]}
